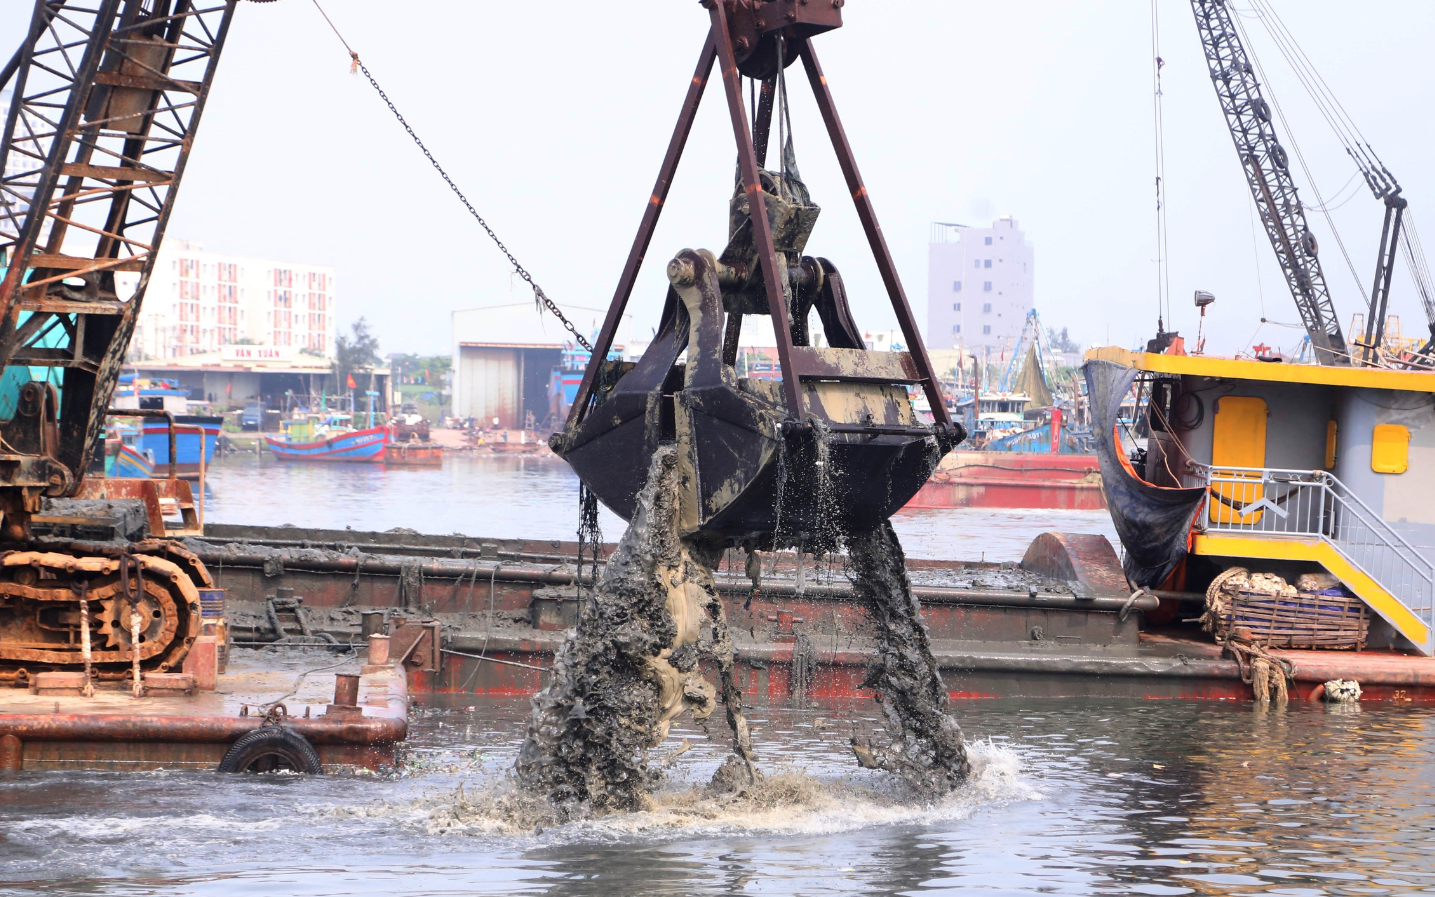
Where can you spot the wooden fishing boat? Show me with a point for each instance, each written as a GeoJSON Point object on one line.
{"type": "Point", "coordinates": [152, 440]}
{"type": "Point", "coordinates": [328, 440]}
{"type": "Point", "coordinates": [127, 462]}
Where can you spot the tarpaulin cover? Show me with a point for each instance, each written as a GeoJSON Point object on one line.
{"type": "Point", "coordinates": [1152, 521]}
{"type": "Point", "coordinates": [1033, 380]}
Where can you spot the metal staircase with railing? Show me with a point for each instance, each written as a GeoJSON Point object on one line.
{"type": "Point", "coordinates": [1310, 515]}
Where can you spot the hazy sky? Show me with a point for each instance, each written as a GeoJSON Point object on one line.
{"type": "Point", "coordinates": [553, 118]}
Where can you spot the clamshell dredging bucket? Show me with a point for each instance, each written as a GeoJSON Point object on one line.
{"type": "Point", "coordinates": [855, 455]}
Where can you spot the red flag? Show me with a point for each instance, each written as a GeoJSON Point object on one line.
{"type": "Point", "coordinates": [352, 384]}
{"type": "Point", "coordinates": [228, 388]}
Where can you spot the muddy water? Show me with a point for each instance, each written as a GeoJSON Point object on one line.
{"type": "Point", "coordinates": [537, 498]}
{"type": "Point", "coordinates": [1067, 797]}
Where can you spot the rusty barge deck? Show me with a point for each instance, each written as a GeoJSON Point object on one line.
{"type": "Point", "coordinates": [41, 729]}
{"type": "Point", "coordinates": [998, 630]}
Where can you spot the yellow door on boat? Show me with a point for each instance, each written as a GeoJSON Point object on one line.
{"type": "Point", "coordinates": [1238, 440]}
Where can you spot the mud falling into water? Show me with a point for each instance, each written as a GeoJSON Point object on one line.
{"type": "Point", "coordinates": [630, 667]}
{"type": "Point", "coordinates": [925, 746]}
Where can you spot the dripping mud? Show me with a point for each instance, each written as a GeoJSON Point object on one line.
{"type": "Point", "coordinates": [631, 667]}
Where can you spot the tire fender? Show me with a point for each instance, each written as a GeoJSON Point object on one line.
{"type": "Point", "coordinates": [271, 747]}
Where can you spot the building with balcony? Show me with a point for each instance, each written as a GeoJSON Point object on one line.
{"type": "Point", "coordinates": [199, 301]}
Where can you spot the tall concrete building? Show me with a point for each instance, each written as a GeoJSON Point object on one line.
{"type": "Point", "coordinates": [979, 285]}
{"type": "Point", "coordinates": [14, 202]}
{"type": "Point", "coordinates": [200, 301]}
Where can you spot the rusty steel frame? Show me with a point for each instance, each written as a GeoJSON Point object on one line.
{"type": "Point", "coordinates": [868, 215]}
{"type": "Point", "coordinates": [757, 212]}
{"type": "Point", "coordinates": [105, 109]}
{"type": "Point", "coordinates": [752, 150]}
{"type": "Point", "coordinates": [654, 210]}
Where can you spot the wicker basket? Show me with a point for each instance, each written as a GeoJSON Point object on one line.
{"type": "Point", "coordinates": [1330, 618]}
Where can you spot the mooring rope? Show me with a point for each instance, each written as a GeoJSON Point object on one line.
{"type": "Point", "coordinates": [82, 589]}
{"type": "Point", "coordinates": [132, 585]}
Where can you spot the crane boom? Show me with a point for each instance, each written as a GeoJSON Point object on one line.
{"type": "Point", "coordinates": [106, 99]}
{"type": "Point", "coordinates": [1266, 165]}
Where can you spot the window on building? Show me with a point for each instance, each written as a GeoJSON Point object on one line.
{"type": "Point", "coordinates": [986, 330]}
{"type": "Point", "coordinates": [986, 263]}
{"type": "Point", "coordinates": [956, 328]}
{"type": "Point", "coordinates": [976, 263]}
{"type": "Point", "coordinates": [986, 286]}
{"type": "Point", "coordinates": [989, 241]}
{"type": "Point", "coordinates": [956, 286]}
{"type": "Point", "coordinates": [956, 306]}
{"type": "Point", "coordinates": [986, 308]}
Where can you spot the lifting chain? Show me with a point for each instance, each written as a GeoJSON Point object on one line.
{"type": "Point", "coordinates": [538, 294]}
{"type": "Point", "coordinates": [590, 535]}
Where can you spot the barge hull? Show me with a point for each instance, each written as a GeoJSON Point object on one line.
{"type": "Point", "coordinates": [113, 731]}
{"type": "Point", "coordinates": [505, 605]}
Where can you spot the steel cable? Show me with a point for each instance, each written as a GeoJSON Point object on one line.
{"type": "Point", "coordinates": [538, 295]}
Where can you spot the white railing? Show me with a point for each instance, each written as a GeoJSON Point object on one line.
{"type": "Point", "coordinates": [1313, 503]}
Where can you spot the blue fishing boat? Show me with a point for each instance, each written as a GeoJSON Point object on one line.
{"type": "Point", "coordinates": [167, 395]}
{"type": "Point", "coordinates": [125, 462]}
{"type": "Point", "coordinates": [328, 439]}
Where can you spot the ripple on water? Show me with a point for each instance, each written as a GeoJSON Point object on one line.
{"type": "Point", "coordinates": [1134, 798]}
{"type": "Point", "coordinates": [537, 498]}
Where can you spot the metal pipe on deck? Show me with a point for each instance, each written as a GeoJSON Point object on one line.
{"type": "Point", "coordinates": [458, 570]}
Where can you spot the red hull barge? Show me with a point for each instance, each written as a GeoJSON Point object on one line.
{"type": "Point", "coordinates": [413, 454]}
{"type": "Point", "coordinates": [115, 731]}
{"type": "Point", "coordinates": [1064, 482]}
{"type": "Point", "coordinates": [998, 631]}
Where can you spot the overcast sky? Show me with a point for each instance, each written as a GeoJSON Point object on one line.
{"type": "Point", "coordinates": [553, 118]}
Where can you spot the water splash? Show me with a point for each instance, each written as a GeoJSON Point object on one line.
{"type": "Point", "coordinates": [787, 801]}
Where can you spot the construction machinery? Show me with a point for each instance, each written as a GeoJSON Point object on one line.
{"type": "Point", "coordinates": [832, 446]}
{"type": "Point", "coordinates": [105, 99]}
{"type": "Point", "coordinates": [1236, 76]}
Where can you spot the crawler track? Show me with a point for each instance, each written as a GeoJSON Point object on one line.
{"type": "Point", "coordinates": [40, 616]}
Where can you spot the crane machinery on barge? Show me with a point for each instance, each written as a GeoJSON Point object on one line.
{"type": "Point", "coordinates": [106, 99]}
{"type": "Point", "coordinates": [1250, 117]}
{"type": "Point", "coordinates": [1295, 498]}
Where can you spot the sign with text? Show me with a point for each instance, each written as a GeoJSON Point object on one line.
{"type": "Point", "coordinates": [256, 353]}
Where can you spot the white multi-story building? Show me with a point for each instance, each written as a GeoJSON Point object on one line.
{"type": "Point", "coordinates": [13, 205]}
{"type": "Point", "coordinates": [199, 301]}
{"type": "Point", "coordinates": [979, 285]}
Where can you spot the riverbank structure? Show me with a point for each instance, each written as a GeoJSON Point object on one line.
{"type": "Point", "coordinates": [504, 357]}
{"type": "Point", "coordinates": [234, 375]}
